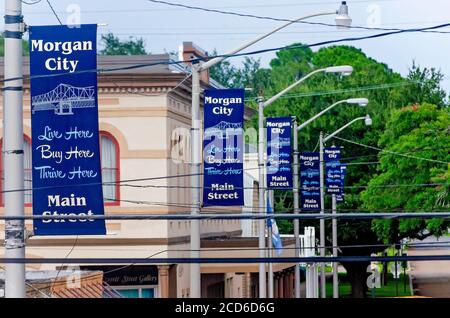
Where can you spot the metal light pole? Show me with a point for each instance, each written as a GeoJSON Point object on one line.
{"type": "Point", "coordinates": [270, 195]}
{"type": "Point", "coordinates": [342, 20]}
{"type": "Point", "coordinates": [335, 251]}
{"type": "Point", "coordinates": [323, 292]}
{"type": "Point", "coordinates": [13, 149]}
{"type": "Point", "coordinates": [195, 282]}
{"type": "Point", "coordinates": [296, 211]}
{"type": "Point", "coordinates": [261, 198]}
{"type": "Point", "coordinates": [322, 141]}
{"type": "Point", "coordinates": [345, 70]}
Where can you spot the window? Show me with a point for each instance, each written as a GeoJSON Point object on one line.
{"type": "Point", "coordinates": [109, 154]}
{"type": "Point", "coordinates": [27, 171]}
{"type": "Point", "coordinates": [136, 292]}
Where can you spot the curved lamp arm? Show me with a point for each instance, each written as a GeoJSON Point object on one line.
{"type": "Point", "coordinates": [290, 87]}
{"type": "Point", "coordinates": [342, 128]}
{"type": "Point", "coordinates": [219, 59]}
{"type": "Point", "coordinates": [303, 125]}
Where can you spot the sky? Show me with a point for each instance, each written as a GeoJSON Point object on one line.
{"type": "Point", "coordinates": [164, 27]}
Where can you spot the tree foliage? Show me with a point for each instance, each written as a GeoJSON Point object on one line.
{"type": "Point", "coordinates": [114, 46]}
{"type": "Point", "coordinates": [416, 131]}
{"type": "Point", "coordinates": [421, 86]}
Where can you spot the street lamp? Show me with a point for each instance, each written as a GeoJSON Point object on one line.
{"type": "Point", "coordinates": [359, 101]}
{"type": "Point", "coordinates": [197, 68]}
{"type": "Point", "coordinates": [343, 70]}
{"type": "Point", "coordinates": [342, 19]}
{"type": "Point", "coordinates": [368, 121]}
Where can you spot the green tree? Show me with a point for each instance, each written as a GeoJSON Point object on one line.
{"type": "Point", "coordinates": [114, 46]}
{"type": "Point", "coordinates": [425, 88]}
{"type": "Point", "coordinates": [250, 75]}
{"type": "Point", "coordinates": [417, 131]}
{"type": "Point", "coordinates": [320, 91]}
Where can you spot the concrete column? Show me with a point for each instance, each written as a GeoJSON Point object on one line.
{"type": "Point", "coordinates": [280, 286]}
{"type": "Point", "coordinates": [163, 279]}
{"type": "Point", "coordinates": [276, 282]}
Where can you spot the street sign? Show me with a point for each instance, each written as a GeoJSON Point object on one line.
{"type": "Point", "coordinates": [65, 139]}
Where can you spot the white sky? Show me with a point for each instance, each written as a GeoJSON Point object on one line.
{"type": "Point", "coordinates": [164, 27]}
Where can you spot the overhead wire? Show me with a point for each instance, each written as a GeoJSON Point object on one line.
{"type": "Point", "coordinates": [391, 152]}
{"type": "Point", "coordinates": [199, 59]}
{"type": "Point", "coordinates": [276, 19]}
{"type": "Point", "coordinates": [54, 12]}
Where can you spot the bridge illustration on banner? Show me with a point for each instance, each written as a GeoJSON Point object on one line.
{"type": "Point", "coordinates": [64, 98]}
{"type": "Point", "coordinates": [223, 130]}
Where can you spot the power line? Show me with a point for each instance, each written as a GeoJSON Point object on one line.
{"type": "Point", "coordinates": [54, 12]}
{"type": "Point", "coordinates": [31, 2]}
{"type": "Point", "coordinates": [432, 244]}
{"type": "Point", "coordinates": [345, 90]}
{"type": "Point", "coordinates": [226, 260]}
{"type": "Point", "coordinates": [406, 152]}
{"type": "Point", "coordinates": [276, 19]}
{"type": "Point", "coordinates": [392, 152]}
{"type": "Point", "coordinates": [288, 47]}
{"type": "Point", "coordinates": [240, 216]}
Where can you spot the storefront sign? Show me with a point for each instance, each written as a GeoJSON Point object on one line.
{"type": "Point", "coordinates": [135, 275]}
{"type": "Point", "coordinates": [279, 159]}
{"type": "Point", "coordinates": [223, 148]}
{"type": "Point", "coordinates": [310, 181]}
{"type": "Point", "coordinates": [64, 120]}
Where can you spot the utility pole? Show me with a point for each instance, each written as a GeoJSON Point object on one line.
{"type": "Point", "coordinates": [335, 250]}
{"type": "Point", "coordinates": [296, 211]}
{"type": "Point", "coordinates": [261, 196]}
{"type": "Point", "coordinates": [195, 286]}
{"type": "Point", "coordinates": [368, 121]}
{"type": "Point", "coordinates": [342, 20]}
{"type": "Point", "coordinates": [13, 149]}
{"type": "Point", "coordinates": [323, 291]}
{"type": "Point", "coordinates": [270, 249]}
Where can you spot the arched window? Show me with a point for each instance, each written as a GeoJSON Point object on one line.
{"type": "Point", "coordinates": [27, 171]}
{"type": "Point", "coordinates": [110, 159]}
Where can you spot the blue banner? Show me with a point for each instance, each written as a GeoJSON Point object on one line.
{"type": "Point", "coordinates": [223, 148]}
{"type": "Point", "coordinates": [332, 158]}
{"type": "Point", "coordinates": [279, 162]}
{"type": "Point", "coordinates": [64, 120]}
{"type": "Point", "coordinates": [340, 197]}
{"type": "Point", "coordinates": [310, 181]}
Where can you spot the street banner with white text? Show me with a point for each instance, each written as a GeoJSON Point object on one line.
{"type": "Point", "coordinates": [340, 197]}
{"type": "Point", "coordinates": [333, 181]}
{"type": "Point", "coordinates": [66, 167]}
{"type": "Point", "coordinates": [279, 159]}
{"type": "Point", "coordinates": [223, 148]}
{"type": "Point", "coordinates": [310, 181]}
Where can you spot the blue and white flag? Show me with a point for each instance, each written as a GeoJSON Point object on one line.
{"type": "Point", "coordinates": [271, 223]}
